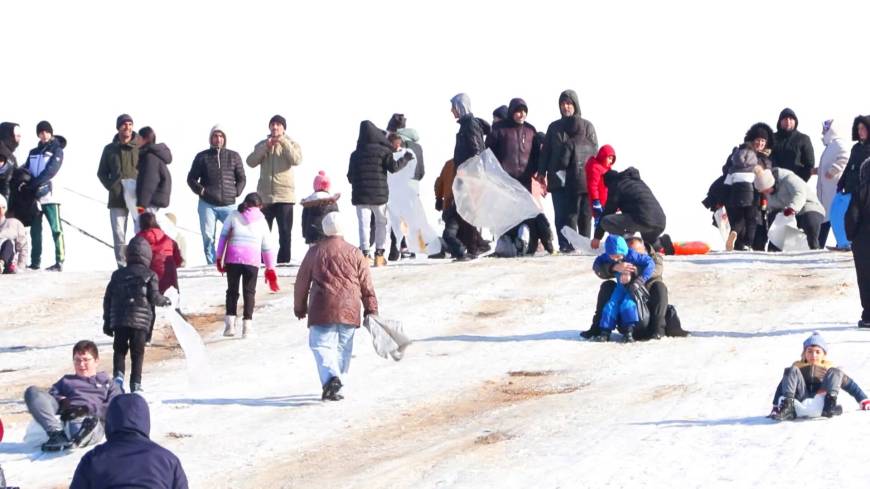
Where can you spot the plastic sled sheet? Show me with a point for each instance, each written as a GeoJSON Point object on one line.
{"type": "Point", "coordinates": [406, 214]}
{"type": "Point", "coordinates": [487, 197]}
{"type": "Point", "coordinates": [785, 234]}
{"type": "Point", "coordinates": [188, 338]}
{"type": "Point", "coordinates": [387, 337]}
{"type": "Point", "coordinates": [130, 200]}
{"type": "Point", "coordinates": [580, 243]}
{"type": "Point", "coordinates": [722, 222]}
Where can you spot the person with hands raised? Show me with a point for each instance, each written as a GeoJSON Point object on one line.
{"type": "Point", "coordinates": [244, 242]}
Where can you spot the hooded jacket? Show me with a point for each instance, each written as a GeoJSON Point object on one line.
{"type": "Point", "coordinates": [154, 182]}
{"type": "Point", "coordinates": [569, 143]}
{"type": "Point", "coordinates": [119, 161]}
{"type": "Point", "coordinates": [516, 145]}
{"type": "Point", "coordinates": [470, 140]}
{"type": "Point", "coordinates": [790, 191]}
{"type": "Point", "coordinates": [332, 282]}
{"type": "Point", "coordinates": [246, 239]}
{"type": "Point", "coordinates": [43, 163]}
{"type": "Point", "coordinates": [851, 178]}
{"type": "Point", "coordinates": [832, 163]}
{"type": "Point", "coordinates": [217, 174]}
{"type": "Point", "coordinates": [369, 164]}
{"type": "Point", "coordinates": [277, 184]}
{"type": "Point", "coordinates": [165, 257]}
{"type": "Point", "coordinates": [412, 142]}
{"type": "Point", "coordinates": [793, 150]}
{"type": "Point", "coordinates": [7, 139]}
{"type": "Point", "coordinates": [129, 458]}
{"type": "Point", "coordinates": [314, 208]}
{"type": "Point", "coordinates": [596, 167]}
{"type": "Point", "coordinates": [133, 290]}
{"type": "Point", "coordinates": [6, 169]}
{"type": "Point", "coordinates": [629, 194]}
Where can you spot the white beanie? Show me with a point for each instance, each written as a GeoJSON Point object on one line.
{"type": "Point", "coordinates": [3, 204]}
{"type": "Point", "coordinates": [763, 179]}
{"type": "Point", "coordinates": [331, 225]}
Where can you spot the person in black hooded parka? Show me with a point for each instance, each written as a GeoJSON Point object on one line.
{"type": "Point", "coordinates": [641, 211]}
{"type": "Point", "coordinates": [857, 218]}
{"type": "Point", "coordinates": [154, 183]}
{"type": "Point", "coordinates": [8, 145]}
{"type": "Point", "coordinates": [129, 458]}
{"type": "Point", "coordinates": [792, 149]}
{"type": "Point", "coordinates": [367, 174]}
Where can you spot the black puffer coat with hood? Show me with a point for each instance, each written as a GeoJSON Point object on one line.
{"type": "Point", "coordinates": [568, 144]}
{"type": "Point", "coordinates": [154, 183]}
{"type": "Point", "coordinates": [133, 291]}
{"type": "Point", "coordinates": [470, 140]}
{"type": "Point", "coordinates": [626, 192]}
{"type": "Point", "coordinates": [369, 164]}
{"type": "Point", "coordinates": [7, 148]}
{"type": "Point", "coordinates": [516, 146]}
{"type": "Point", "coordinates": [850, 181]}
{"type": "Point", "coordinates": [792, 150]}
{"type": "Point", "coordinates": [217, 175]}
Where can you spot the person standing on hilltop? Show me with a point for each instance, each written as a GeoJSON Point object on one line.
{"type": "Point", "coordinates": [120, 161]}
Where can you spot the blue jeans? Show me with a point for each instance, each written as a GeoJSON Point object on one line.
{"type": "Point", "coordinates": [208, 217]}
{"type": "Point", "coordinates": [837, 217]}
{"type": "Point", "coordinates": [332, 345]}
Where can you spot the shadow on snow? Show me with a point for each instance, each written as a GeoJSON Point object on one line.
{"type": "Point", "coordinates": [274, 401]}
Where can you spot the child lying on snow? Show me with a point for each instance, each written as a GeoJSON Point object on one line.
{"type": "Point", "coordinates": [810, 386]}
{"type": "Point", "coordinates": [632, 270]}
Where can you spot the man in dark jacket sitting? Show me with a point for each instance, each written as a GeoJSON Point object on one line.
{"type": "Point", "coordinates": [80, 399]}
{"type": "Point", "coordinates": [640, 212]}
{"type": "Point", "coordinates": [129, 458]}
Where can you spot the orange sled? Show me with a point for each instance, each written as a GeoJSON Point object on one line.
{"type": "Point", "coordinates": [691, 248]}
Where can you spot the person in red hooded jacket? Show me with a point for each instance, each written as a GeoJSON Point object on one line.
{"type": "Point", "coordinates": [596, 167]}
{"type": "Point", "coordinates": [166, 256]}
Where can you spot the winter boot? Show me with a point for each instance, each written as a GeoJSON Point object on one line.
{"type": "Point", "coordinates": [628, 337]}
{"type": "Point", "coordinates": [603, 336]}
{"type": "Point", "coordinates": [247, 328]}
{"type": "Point", "coordinates": [831, 408]}
{"type": "Point", "coordinates": [85, 435]}
{"type": "Point", "coordinates": [136, 387]}
{"type": "Point", "coordinates": [786, 410]}
{"type": "Point", "coordinates": [330, 390]}
{"type": "Point", "coordinates": [380, 260]}
{"type": "Point", "coordinates": [863, 324]}
{"type": "Point", "coordinates": [57, 441]}
{"type": "Point", "coordinates": [57, 267]}
{"type": "Point", "coordinates": [229, 325]}
{"type": "Point", "coordinates": [592, 332]}
{"type": "Point", "coordinates": [394, 255]}
{"type": "Point", "coordinates": [119, 382]}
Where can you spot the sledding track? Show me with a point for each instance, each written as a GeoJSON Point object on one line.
{"type": "Point", "coordinates": [497, 391]}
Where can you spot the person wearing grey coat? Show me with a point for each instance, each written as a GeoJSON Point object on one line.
{"type": "Point", "coordinates": [789, 193]}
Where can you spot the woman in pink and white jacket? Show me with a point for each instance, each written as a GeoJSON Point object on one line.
{"type": "Point", "coordinates": [245, 240]}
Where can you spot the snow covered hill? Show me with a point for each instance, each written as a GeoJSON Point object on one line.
{"type": "Point", "coordinates": [496, 391]}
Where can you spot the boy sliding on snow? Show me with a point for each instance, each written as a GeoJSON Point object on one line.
{"type": "Point", "coordinates": [810, 386]}
{"type": "Point", "coordinates": [632, 270]}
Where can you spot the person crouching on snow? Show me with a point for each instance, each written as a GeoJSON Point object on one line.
{"type": "Point", "coordinates": [315, 206]}
{"type": "Point", "coordinates": [621, 309]}
{"type": "Point", "coordinates": [809, 387]}
{"type": "Point", "coordinates": [332, 281]}
{"type": "Point", "coordinates": [245, 240]}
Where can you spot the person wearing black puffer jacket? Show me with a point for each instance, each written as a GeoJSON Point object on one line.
{"type": "Point", "coordinates": [154, 183]}
{"type": "Point", "coordinates": [857, 214]}
{"type": "Point", "coordinates": [640, 210]}
{"type": "Point", "coordinates": [367, 174]}
{"type": "Point", "coordinates": [10, 136]}
{"type": "Point", "coordinates": [128, 310]}
{"type": "Point", "coordinates": [569, 143]}
{"type": "Point", "coordinates": [792, 149]}
{"type": "Point", "coordinates": [743, 203]}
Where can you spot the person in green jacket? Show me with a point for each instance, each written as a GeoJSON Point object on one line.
{"type": "Point", "coordinates": [120, 160]}
{"type": "Point", "coordinates": [276, 156]}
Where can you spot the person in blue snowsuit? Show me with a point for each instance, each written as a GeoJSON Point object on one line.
{"type": "Point", "coordinates": [621, 309]}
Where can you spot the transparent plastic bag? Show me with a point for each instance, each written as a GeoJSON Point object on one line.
{"type": "Point", "coordinates": [785, 234]}
{"type": "Point", "coordinates": [581, 244]}
{"type": "Point", "coordinates": [487, 197]}
{"type": "Point", "coordinates": [129, 185]}
{"type": "Point", "coordinates": [387, 336]}
{"type": "Point", "coordinates": [189, 339]}
{"type": "Point", "coordinates": [406, 214]}
{"type": "Point", "coordinates": [720, 215]}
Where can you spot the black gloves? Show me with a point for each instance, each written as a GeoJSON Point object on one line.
{"type": "Point", "coordinates": [107, 330]}
{"type": "Point", "coordinates": [163, 302]}
{"type": "Point", "coordinates": [439, 204]}
{"type": "Point", "coordinates": [407, 157]}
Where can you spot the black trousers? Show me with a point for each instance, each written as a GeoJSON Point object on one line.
{"type": "Point", "coordinates": [452, 227]}
{"type": "Point", "coordinates": [744, 221]}
{"type": "Point", "coordinates": [571, 209]}
{"type": "Point", "coordinates": [811, 223]}
{"type": "Point", "coordinates": [283, 213]}
{"type": "Point", "coordinates": [133, 340]}
{"type": "Point", "coordinates": [7, 253]}
{"type": "Point", "coordinates": [658, 308]}
{"type": "Point", "coordinates": [861, 253]}
{"type": "Point", "coordinates": [247, 274]}
{"type": "Point", "coordinates": [624, 224]}
{"type": "Point", "coordinates": [824, 229]}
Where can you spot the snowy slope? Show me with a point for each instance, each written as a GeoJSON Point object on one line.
{"type": "Point", "coordinates": [496, 392]}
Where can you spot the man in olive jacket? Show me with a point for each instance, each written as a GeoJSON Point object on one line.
{"type": "Point", "coordinates": [276, 156]}
{"type": "Point", "coordinates": [120, 160]}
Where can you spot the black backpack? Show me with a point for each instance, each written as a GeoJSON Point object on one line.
{"type": "Point", "coordinates": [673, 327]}
{"type": "Point", "coordinates": [641, 298]}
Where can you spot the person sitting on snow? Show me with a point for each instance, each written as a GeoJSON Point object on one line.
{"type": "Point", "coordinates": [315, 206]}
{"type": "Point", "coordinates": [809, 388]}
{"type": "Point", "coordinates": [621, 309]}
{"type": "Point", "coordinates": [14, 245]}
{"type": "Point", "coordinates": [81, 400]}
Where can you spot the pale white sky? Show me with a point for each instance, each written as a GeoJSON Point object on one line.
{"type": "Point", "coordinates": [671, 85]}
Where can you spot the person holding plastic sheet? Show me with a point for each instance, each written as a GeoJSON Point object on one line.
{"type": "Point", "coordinates": [119, 161]}
{"type": "Point", "coordinates": [743, 203]}
{"type": "Point", "coordinates": [244, 242]}
{"type": "Point", "coordinates": [850, 181]}
{"type": "Point", "coordinates": [81, 400]}
{"type": "Point", "coordinates": [811, 386]}
{"type": "Point", "coordinates": [333, 280]}
{"type": "Point", "coordinates": [831, 165]}
{"type": "Point", "coordinates": [788, 193]}
{"type": "Point", "coordinates": [621, 308]}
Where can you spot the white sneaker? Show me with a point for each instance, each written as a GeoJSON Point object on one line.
{"type": "Point", "coordinates": [229, 325]}
{"type": "Point", "coordinates": [247, 328]}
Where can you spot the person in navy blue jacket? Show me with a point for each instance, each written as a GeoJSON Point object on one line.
{"type": "Point", "coordinates": [129, 458]}
{"type": "Point", "coordinates": [622, 309]}
{"type": "Point", "coordinates": [43, 163]}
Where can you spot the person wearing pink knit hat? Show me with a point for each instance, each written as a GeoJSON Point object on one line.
{"type": "Point", "coordinates": [315, 207]}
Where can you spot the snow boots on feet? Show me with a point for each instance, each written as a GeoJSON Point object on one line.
{"type": "Point", "coordinates": [602, 337]}
{"type": "Point", "coordinates": [380, 260]}
{"type": "Point", "coordinates": [331, 390]}
{"type": "Point", "coordinates": [57, 441]}
{"type": "Point", "coordinates": [229, 325]}
{"type": "Point", "coordinates": [786, 410]}
{"type": "Point", "coordinates": [592, 332]}
{"type": "Point", "coordinates": [247, 328]}
{"type": "Point", "coordinates": [628, 337]}
{"type": "Point", "coordinates": [57, 267]}
{"type": "Point", "coordinates": [136, 387]}
{"type": "Point", "coordinates": [831, 408]}
{"type": "Point", "coordinates": [863, 324]}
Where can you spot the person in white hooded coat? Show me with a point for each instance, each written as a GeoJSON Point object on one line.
{"type": "Point", "coordinates": [831, 166]}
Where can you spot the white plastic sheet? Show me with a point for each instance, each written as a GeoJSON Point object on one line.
{"type": "Point", "coordinates": [387, 336]}
{"type": "Point", "coordinates": [129, 185]}
{"type": "Point", "coordinates": [486, 196]}
{"type": "Point", "coordinates": [720, 215]}
{"type": "Point", "coordinates": [785, 234]}
{"type": "Point", "coordinates": [580, 243]}
{"type": "Point", "coordinates": [195, 354]}
{"type": "Point", "coordinates": [811, 407]}
{"type": "Point", "coordinates": [406, 214]}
